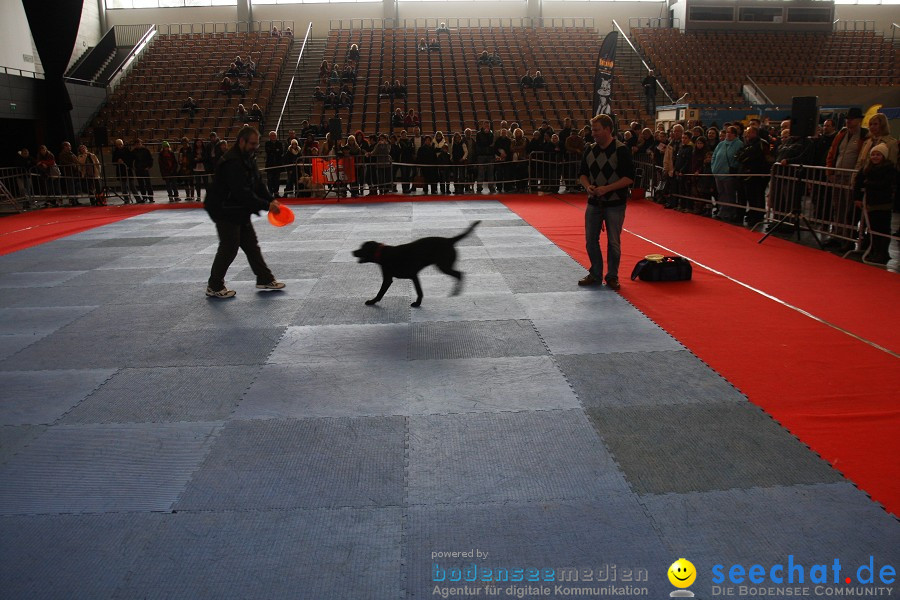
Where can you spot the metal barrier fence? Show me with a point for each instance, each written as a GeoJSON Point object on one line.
{"type": "Point", "coordinates": [822, 198]}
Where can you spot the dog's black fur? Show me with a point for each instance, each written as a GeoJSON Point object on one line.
{"type": "Point", "coordinates": [405, 261]}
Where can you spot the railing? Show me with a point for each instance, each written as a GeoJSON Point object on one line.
{"type": "Point", "coordinates": [462, 23]}
{"type": "Point", "coordinates": [638, 54]}
{"type": "Point", "coordinates": [758, 90]}
{"type": "Point", "coordinates": [853, 25]}
{"type": "Point", "coordinates": [93, 62]}
{"type": "Point", "coordinates": [894, 28]}
{"type": "Point", "coordinates": [300, 58]}
{"type": "Point", "coordinates": [225, 27]}
{"type": "Point", "coordinates": [21, 73]}
{"type": "Point", "coordinates": [130, 35]}
{"type": "Point", "coordinates": [126, 65]}
{"type": "Point", "coordinates": [653, 23]}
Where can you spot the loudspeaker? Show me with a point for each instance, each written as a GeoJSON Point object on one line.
{"type": "Point", "coordinates": [101, 136]}
{"type": "Point", "coordinates": [334, 127]}
{"type": "Point", "coordinates": [804, 115]}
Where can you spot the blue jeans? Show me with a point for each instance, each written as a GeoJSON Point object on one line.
{"type": "Point", "coordinates": [614, 217]}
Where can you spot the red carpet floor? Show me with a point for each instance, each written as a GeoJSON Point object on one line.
{"type": "Point", "coordinates": [838, 394]}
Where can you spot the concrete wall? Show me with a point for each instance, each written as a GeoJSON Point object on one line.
{"type": "Point", "coordinates": [16, 48]}
{"type": "Point", "coordinates": [89, 31]}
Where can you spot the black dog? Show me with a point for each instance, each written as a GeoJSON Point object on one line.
{"type": "Point", "coordinates": [405, 262]}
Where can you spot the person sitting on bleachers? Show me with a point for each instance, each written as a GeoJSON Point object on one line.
{"type": "Point", "coordinates": [324, 71]}
{"type": "Point", "coordinates": [288, 32]}
{"type": "Point", "coordinates": [346, 90]}
{"type": "Point", "coordinates": [241, 113]}
{"type": "Point", "coordinates": [411, 120]}
{"type": "Point", "coordinates": [526, 81]}
{"type": "Point", "coordinates": [397, 119]}
{"type": "Point", "coordinates": [423, 45]}
{"type": "Point", "coordinates": [331, 99]}
{"type": "Point", "coordinates": [495, 60]}
{"type": "Point", "coordinates": [318, 94]}
{"type": "Point", "coordinates": [233, 71]}
{"type": "Point", "coordinates": [255, 114]}
{"type": "Point", "coordinates": [345, 100]}
{"type": "Point", "coordinates": [442, 28]}
{"type": "Point", "coordinates": [275, 32]}
{"type": "Point", "coordinates": [539, 81]}
{"type": "Point", "coordinates": [239, 63]}
{"type": "Point", "coordinates": [398, 89]}
{"type": "Point", "coordinates": [484, 59]}
{"type": "Point", "coordinates": [250, 66]}
{"type": "Point", "coordinates": [335, 74]}
{"type": "Point", "coordinates": [225, 87]}
{"type": "Point", "coordinates": [190, 107]}
{"type": "Point", "coordinates": [384, 90]}
{"type": "Point", "coordinates": [353, 53]}
{"type": "Point", "coordinates": [434, 46]}
{"type": "Point", "coordinates": [349, 74]}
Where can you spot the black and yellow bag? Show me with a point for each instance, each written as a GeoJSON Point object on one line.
{"type": "Point", "coordinates": [656, 267]}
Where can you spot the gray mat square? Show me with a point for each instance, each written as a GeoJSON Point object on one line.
{"type": "Point", "coordinates": [644, 378]}
{"type": "Point", "coordinates": [11, 344]}
{"type": "Point", "coordinates": [13, 438]}
{"type": "Point", "coordinates": [210, 347]}
{"type": "Point", "coordinates": [308, 463]}
{"type": "Point", "coordinates": [124, 242]}
{"type": "Point", "coordinates": [622, 331]}
{"type": "Point", "coordinates": [104, 468]}
{"type": "Point", "coordinates": [72, 262]}
{"type": "Point", "coordinates": [37, 279]}
{"type": "Point", "coordinates": [303, 268]}
{"type": "Point", "coordinates": [439, 285]}
{"type": "Point", "coordinates": [83, 350]}
{"type": "Point", "coordinates": [347, 311]}
{"type": "Point", "coordinates": [765, 525]}
{"type": "Point", "coordinates": [24, 321]}
{"type": "Point", "coordinates": [516, 251]}
{"type": "Point", "coordinates": [469, 307]}
{"type": "Point", "coordinates": [189, 274]}
{"type": "Point", "coordinates": [61, 296]}
{"type": "Point", "coordinates": [41, 397]}
{"type": "Point", "coordinates": [251, 309]}
{"type": "Point", "coordinates": [488, 385]}
{"type": "Point", "coordinates": [554, 274]}
{"type": "Point", "coordinates": [474, 339]}
{"type": "Point", "coordinates": [534, 456]}
{"type": "Point", "coordinates": [72, 556]}
{"type": "Point", "coordinates": [133, 262]}
{"type": "Point", "coordinates": [559, 535]}
{"type": "Point", "coordinates": [328, 389]}
{"type": "Point", "coordinates": [346, 553]}
{"type": "Point", "coordinates": [575, 304]}
{"type": "Point", "coordinates": [133, 316]}
{"type": "Point", "coordinates": [113, 277]}
{"type": "Point", "coordinates": [343, 343]}
{"type": "Point", "coordinates": [365, 283]}
{"type": "Point", "coordinates": [165, 395]}
{"type": "Point", "coordinates": [701, 447]}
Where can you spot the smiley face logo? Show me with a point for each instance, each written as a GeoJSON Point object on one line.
{"type": "Point", "coordinates": [682, 573]}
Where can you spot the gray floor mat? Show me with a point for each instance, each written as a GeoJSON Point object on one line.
{"type": "Point", "coordinates": [103, 468]}
{"type": "Point", "coordinates": [42, 397]}
{"type": "Point", "coordinates": [619, 331]}
{"type": "Point", "coordinates": [343, 343]}
{"type": "Point", "coordinates": [37, 321]}
{"type": "Point", "coordinates": [347, 311]}
{"type": "Point", "coordinates": [700, 447]}
{"type": "Point", "coordinates": [302, 463]}
{"type": "Point", "coordinates": [158, 395]}
{"type": "Point", "coordinates": [13, 438]}
{"type": "Point", "coordinates": [474, 339]}
{"type": "Point", "coordinates": [508, 457]}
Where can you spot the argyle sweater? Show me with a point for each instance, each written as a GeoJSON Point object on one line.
{"type": "Point", "coordinates": [606, 166]}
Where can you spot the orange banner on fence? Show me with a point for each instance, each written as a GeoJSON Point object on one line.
{"type": "Point", "coordinates": [333, 170]}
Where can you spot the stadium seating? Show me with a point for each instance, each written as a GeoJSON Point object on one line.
{"type": "Point", "coordinates": [450, 91]}
{"type": "Point", "coordinates": [147, 102]}
{"type": "Point", "coordinates": [713, 65]}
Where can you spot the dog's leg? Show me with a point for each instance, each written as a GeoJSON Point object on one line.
{"type": "Point", "coordinates": [418, 287]}
{"type": "Point", "coordinates": [449, 270]}
{"type": "Point", "coordinates": [385, 284]}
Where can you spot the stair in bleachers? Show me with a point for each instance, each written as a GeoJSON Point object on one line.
{"type": "Point", "coordinates": [300, 103]}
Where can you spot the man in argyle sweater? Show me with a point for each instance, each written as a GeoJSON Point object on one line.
{"type": "Point", "coordinates": [606, 173]}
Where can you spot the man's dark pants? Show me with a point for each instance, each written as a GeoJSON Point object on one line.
{"type": "Point", "coordinates": [614, 218]}
{"type": "Point", "coordinates": [231, 238]}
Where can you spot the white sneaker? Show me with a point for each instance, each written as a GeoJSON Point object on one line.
{"type": "Point", "coordinates": [272, 285]}
{"type": "Point", "coordinates": [223, 293]}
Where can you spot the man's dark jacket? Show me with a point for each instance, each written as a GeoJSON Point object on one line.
{"type": "Point", "coordinates": [237, 190]}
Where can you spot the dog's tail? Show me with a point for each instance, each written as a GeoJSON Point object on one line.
{"type": "Point", "coordinates": [466, 232]}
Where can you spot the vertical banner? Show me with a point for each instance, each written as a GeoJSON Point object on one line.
{"type": "Point", "coordinates": [603, 75]}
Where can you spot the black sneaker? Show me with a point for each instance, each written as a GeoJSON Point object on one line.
{"type": "Point", "coordinates": [589, 279]}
